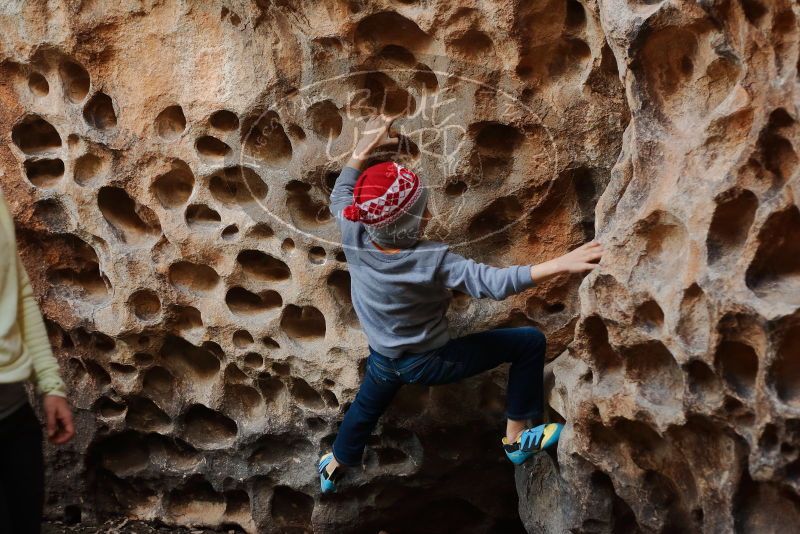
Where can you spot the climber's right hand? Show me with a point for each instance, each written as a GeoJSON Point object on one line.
{"type": "Point", "coordinates": [376, 135]}
{"type": "Point", "coordinates": [584, 258]}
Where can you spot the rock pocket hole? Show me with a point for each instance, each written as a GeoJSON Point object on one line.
{"type": "Point", "coordinates": [230, 232]}
{"type": "Point", "coordinates": [305, 207]}
{"type": "Point", "coordinates": [777, 152]}
{"type": "Point", "coordinates": [193, 277]}
{"type": "Point", "coordinates": [472, 43]}
{"type": "Point", "coordinates": [260, 231]}
{"type": "Point", "coordinates": [774, 273]}
{"type": "Point", "coordinates": [326, 121]}
{"type": "Point", "coordinates": [265, 139]}
{"type": "Point", "coordinates": [53, 213]}
{"type": "Point", "coordinates": [170, 123]}
{"type": "Point", "coordinates": [303, 322]}
{"type": "Point", "coordinates": [649, 315]}
{"type": "Point", "coordinates": [195, 502]}
{"type": "Point", "coordinates": [99, 112]}
{"type": "Point", "coordinates": [262, 266]}
{"type": "Point", "coordinates": [306, 395]}
{"type": "Point", "coordinates": [271, 388]}
{"type": "Point", "coordinates": [44, 172]}
{"type": "Point", "coordinates": [785, 372]}
{"type": "Point", "coordinates": [74, 80]}
{"type": "Point", "coordinates": [296, 132]}
{"type": "Point", "coordinates": [143, 415]}
{"type": "Point", "coordinates": [208, 429]}
{"type": "Point", "coordinates": [339, 282]}
{"type": "Point", "coordinates": [246, 303]}
{"type": "Point", "coordinates": [495, 139]}
{"type": "Point", "coordinates": [604, 355]}
{"type": "Point", "coordinates": [77, 273]}
{"type": "Point", "coordinates": [201, 216]}
{"type": "Point", "coordinates": [390, 28]}
{"type": "Point", "coordinates": [281, 369]}
{"type": "Point", "coordinates": [253, 360]}
{"type": "Point", "coordinates": [242, 339]}
{"type": "Point", "coordinates": [109, 408]}
{"type": "Point", "coordinates": [188, 361]}
{"type": "Point", "coordinates": [34, 135]}
{"type": "Point", "coordinates": [754, 11]}
{"type": "Point", "coordinates": [455, 188]}
{"type": "Point", "coordinates": [270, 343]}
{"type": "Point", "coordinates": [173, 188]}
{"type": "Point", "coordinates": [653, 368]}
{"type": "Point", "coordinates": [576, 15]}
{"type": "Point", "coordinates": [237, 186]}
{"type": "Point", "coordinates": [224, 120]}
{"type": "Point", "coordinates": [730, 224]}
{"type": "Point", "coordinates": [143, 359]}
{"type": "Point", "coordinates": [385, 94]}
{"type": "Point", "coordinates": [145, 304]}
{"type": "Point", "coordinates": [494, 219]}
{"type": "Point", "coordinates": [241, 401]}
{"type": "Point", "coordinates": [701, 378]}
{"type": "Point", "coordinates": [739, 365]}
{"type": "Point", "coordinates": [38, 85]}
{"type": "Point", "coordinates": [88, 168]}
{"type": "Point", "coordinates": [316, 255]}
{"type": "Point", "coordinates": [185, 318]}
{"type": "Point", "coordinates": [211, 148]}
{"type": "Point", "coordinates": [132, 223]}
{"type": "Point", "coordinates": [100, 376]}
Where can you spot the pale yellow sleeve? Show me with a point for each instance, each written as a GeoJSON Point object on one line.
{"type": "Point", "coordinates": [34, 337]}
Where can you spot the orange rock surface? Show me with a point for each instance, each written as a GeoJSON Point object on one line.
{"type": "Point", "coordinates": [169, 166]}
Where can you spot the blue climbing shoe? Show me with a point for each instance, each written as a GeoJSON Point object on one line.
{"type": "Point", "coordinates": [531, 441]}
{"type": "Point", "coordinates": [327, 482]}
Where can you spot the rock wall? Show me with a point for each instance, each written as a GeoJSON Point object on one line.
{"type": "Point", "coordinates": [169, 164]}
{"type": "Point", "coordinates": [681, 386]}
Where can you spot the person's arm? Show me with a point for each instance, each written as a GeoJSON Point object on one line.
{"type": "Point", "coordinates": [480, 280]}
{"type": "Point", "coordinates": [45, 366]}
{"type": "Point", "coordinates": [34, 337]}
{"type": "Point", "coordinates": [342, 193]}
{"type": "Point", "coordinates": [375, 136]}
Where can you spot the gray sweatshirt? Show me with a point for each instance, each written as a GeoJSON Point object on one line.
{"type": "Point", "coordinates": [401, 299]}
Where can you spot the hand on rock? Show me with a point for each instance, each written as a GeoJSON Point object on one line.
{"type": "Point", "coordinates": [584, 258]}
{"type": "Point", "coordinates": [375, 136]}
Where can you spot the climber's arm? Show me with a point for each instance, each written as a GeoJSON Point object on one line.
{"type": "Point", "coordinates": [375, 136]}
{"type": "Point", "coordinates": [480, 280]}
{"type": "Point", "coordinates": [342, 194]}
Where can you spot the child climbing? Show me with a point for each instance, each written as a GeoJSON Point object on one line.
{"type": "Point", "coordinates": [400, 291]}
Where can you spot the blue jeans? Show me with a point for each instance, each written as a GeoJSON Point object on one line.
{"type": "Point", "coordinates": [460, 358]}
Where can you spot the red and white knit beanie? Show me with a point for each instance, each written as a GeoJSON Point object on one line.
{"type": "Point", "coordinates": [383, 193]}
{"type": "Point", "coordinates": [390, 200]}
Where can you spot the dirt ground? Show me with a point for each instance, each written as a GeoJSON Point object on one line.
{"type": "Point", "coordinates": [123, 526]}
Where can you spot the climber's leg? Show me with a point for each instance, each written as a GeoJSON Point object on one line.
{"type": "Point", "coordinates": [374, 395]}
{"type": "Point", "coordinates": [523, 347]}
